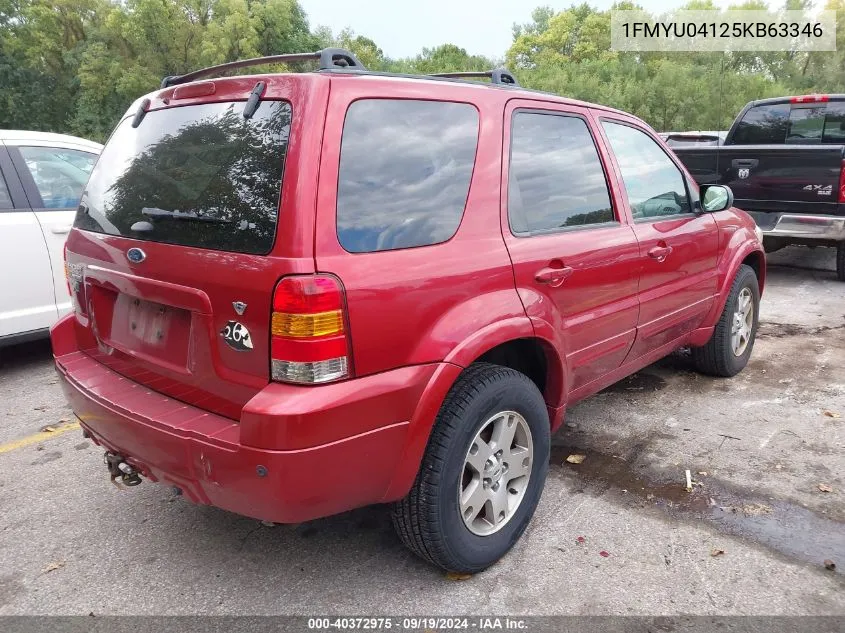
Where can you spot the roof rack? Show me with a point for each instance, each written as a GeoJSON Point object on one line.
{"type": "Point", "coordinates": [330, 59]}
{"type": "Point", "coordinates": [496, 76]}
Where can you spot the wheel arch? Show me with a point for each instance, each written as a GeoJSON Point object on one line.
{"type": "Point", "coordinates": [510, 343]}
{"type": "Point", "coordinates": [756, 260]}
{"type": "Point", "coordinates": [748, 254]}
{"type": "Point", "coordinates": [514, 343]}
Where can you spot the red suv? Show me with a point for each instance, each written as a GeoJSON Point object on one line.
{"type": "Point", "coordinates": [297, 294]}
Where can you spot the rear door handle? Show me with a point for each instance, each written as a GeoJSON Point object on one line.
{"type": "Point", "coordinates": [660, 253]}
{"type": "Point", "coordinates": [553, 276]}
{"type": "Point", "coordinates": [61, 230]}
{"type": "Point", "coordinates": [738, 163]}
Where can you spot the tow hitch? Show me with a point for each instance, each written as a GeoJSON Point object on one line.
{"type": "Point", "coordinates": [120, 470]}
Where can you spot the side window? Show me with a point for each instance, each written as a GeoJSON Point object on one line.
{"type": "Point", "coordinates": [655, 186]}
{"type": "Point", "coordinates": [763, 125]}
{"type": "Point", "coordinates": [834, 124]}
{"type": "Point", "coordinates": [405, 169]}
{"type": "Point", "coordinates": [59, 174]}
{"type": "Point", "coordinates": [5, 198]}
{"type": "Point", "coordinates": [805, 125]}
{"type": "Point", "coordinates": [556, 179]}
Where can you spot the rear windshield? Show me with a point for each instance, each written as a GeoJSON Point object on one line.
{"type": "Point", "coordinates": [820, 123]}
{"type": "Point", "coordinates": [199, 175]}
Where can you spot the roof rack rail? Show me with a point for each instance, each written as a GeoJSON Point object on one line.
{"type": "Point", "coordinates": [330, 59]}
{"type": "Point", "coordinates": [496, 76]}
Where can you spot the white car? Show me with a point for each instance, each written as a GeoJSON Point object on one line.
{"type": "Point", "coordinates": [41, 180]}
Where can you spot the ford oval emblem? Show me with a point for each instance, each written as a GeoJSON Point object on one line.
{"type": "Point", "coordinates": [136, 255]}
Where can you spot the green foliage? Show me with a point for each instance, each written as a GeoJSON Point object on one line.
{"type": "Point", "coordinates": [364, 48]}
{"type": "Point", "coordinates": [75, 65]}
{"type": "Point", "coordinates": [568, 53]}
{"type": "Point", "coordinates": [447, 57]}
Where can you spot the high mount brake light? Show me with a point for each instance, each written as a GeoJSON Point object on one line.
{"type": "Point", "coordinates": [810, 99]}
{"type": "Point", "coordinates": [309, 343]}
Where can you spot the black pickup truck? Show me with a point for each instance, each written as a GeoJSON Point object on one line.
{"type": "Point", "coordinates": [784, 159]}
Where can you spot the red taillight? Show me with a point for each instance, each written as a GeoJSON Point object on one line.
{"type": "Point", "coordinates": [842, 183]}
{"type": "Point", "coordinates": [309, 343]}
{"type": "Point", "coordinates": [809, 99]}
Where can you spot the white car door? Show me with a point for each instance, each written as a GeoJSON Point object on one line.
{"type": "Point", "coordinates": [53, 178]}
{"type": "Point", "coordinates": [27, 297]}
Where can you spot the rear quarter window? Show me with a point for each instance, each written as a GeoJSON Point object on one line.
{"type": "Point", "coordinates": [405, 170]}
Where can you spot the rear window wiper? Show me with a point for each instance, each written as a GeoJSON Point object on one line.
{"type": "Point", "coordinates": [155, 212]}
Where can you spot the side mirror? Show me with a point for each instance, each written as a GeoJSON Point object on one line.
{"type": "Point", "coordinates": [716, 198]}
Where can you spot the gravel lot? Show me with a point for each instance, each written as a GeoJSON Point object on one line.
{"type": "Point", "coordinates": [760, 446]}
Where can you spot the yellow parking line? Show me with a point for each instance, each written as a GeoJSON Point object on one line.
{"type": "Point", "coordinates": [35, 438]}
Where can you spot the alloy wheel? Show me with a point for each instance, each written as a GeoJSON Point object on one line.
{"type": "Point", "coordinates": [742, 322]}
{"type": "Point", "coordinates": [496, 471]}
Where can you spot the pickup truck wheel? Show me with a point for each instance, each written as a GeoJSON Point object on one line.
{"type": "Point", "coordinates": [840, 261]}
{"type": "Point", "coordinates": [728, 350]}
{"type": "Point", "coordinates": [482, 473]}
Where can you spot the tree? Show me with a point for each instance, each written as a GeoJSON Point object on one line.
{"type": "Point", "coordinates": [364, 49]}
{"type": "Point", "coordinates": [449, 58]}
{"type": "Point", "coordinates": [76, 65]}
{"type": "Point", "coordinates": [568, 53]}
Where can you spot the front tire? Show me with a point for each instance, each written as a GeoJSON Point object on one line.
{"type": "Point", "coordinates": [482, 473]}
{"type": "Point", "coordinates": [729, 348]}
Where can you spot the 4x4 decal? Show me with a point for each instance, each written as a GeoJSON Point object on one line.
{"type": "Point", "coordinates": [822, 190]}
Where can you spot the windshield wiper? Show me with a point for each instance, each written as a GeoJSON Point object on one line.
{"type": "Point", "coordinates": [155, 212]}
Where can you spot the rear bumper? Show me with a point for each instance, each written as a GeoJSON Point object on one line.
{"type": "Point", "coordinates": [205, 455]}
{"type": "Point", "coordinates": [794, 225]}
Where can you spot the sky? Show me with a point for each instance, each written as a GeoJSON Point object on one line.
{"type": "Point", "coordinates": [483, 27]}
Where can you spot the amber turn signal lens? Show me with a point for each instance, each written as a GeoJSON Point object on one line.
{"type": "Point", "coordinates": [307, 325]}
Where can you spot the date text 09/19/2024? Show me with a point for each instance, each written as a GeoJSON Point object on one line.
{"type": "Point", "coordinates": [417, 623]}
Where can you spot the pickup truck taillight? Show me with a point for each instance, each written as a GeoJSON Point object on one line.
{"type": "Point", "coordinates": [309, 342]}
{"type": "Point", "coordinates": [842, 183]}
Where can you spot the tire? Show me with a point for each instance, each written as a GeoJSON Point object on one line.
{"type": "Point", "coordinates": [717, 357]}
{"type": "Point", "coordinates": [772, 245]}
{"type": "Point", "coordinates": [840, 261]}
{"type": "Point", "coordinates": [429, 520]}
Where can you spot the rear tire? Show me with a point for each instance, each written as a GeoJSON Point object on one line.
{"type": "Point", "coordinates": [727, 352]}
{"type": "Point", "coordinates": [452, 478]}
{"type": "Point", "coordinates": [772, 244]}
{"type": "Point", "coordinates": [840, 261]}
